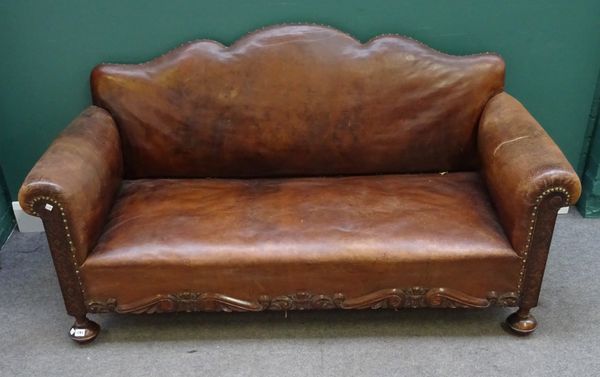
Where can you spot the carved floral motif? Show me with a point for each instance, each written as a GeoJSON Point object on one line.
{"type": "Point", "coordinates": [395, 298]}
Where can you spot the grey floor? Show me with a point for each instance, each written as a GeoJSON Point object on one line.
{"type": "Point", "coordinates": [33, 327]}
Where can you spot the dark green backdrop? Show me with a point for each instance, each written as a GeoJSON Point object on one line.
{"type": "Point", "coordinates": [589, 204]}
{"type": "Point", "coordinates": [552, 50]}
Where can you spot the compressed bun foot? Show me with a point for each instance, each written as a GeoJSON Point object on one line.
{"type": "Point", "coordinates": [522, 322]}
{"type": "Point", "coordinates": [84, 331]}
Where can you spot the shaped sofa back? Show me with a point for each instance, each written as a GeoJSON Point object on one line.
{"type": "Point", "coordinates": [298, 100]}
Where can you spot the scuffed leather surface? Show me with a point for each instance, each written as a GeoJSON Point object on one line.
{"type": "Point", "coordinates": [350, 235]}
{"type": "Point", "coordinates": [298, 100]}
{"type": "Point", "coordinates": [82, 170]}
{"type": "Point", "coordinates": [520, 161]}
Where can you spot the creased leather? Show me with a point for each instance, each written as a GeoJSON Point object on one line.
{"type": "Point", "coordinates": [286, 102]}
{"type": "Point", "coordinates": [82, 170]}
{"type": "Point", "coordinates": [298, 101]}
{"type": "Point", "coordinates": [519, 161]}
{"type": "Point", "coordinates": [350, 235]}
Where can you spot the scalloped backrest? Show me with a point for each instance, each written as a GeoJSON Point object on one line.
{"type": "Point", "coordinates": [298, 101]}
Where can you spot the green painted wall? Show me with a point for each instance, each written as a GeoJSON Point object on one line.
{"type": "Point", "coordinates": [49, 47]}
{"type": "Point", "coordinates": [589, 204]}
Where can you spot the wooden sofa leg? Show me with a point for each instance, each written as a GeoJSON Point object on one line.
{"type": "Point", "coordinates": [522, 322]}
{"type": "Point", "coordinates": [83, 330]}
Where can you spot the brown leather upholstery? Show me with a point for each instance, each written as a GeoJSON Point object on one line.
{"type": "Point", "coordinates": [520, 161]}
{"type": "Point", "coordinates": [82, 171]}
{"type": "Point", "coordinates": [353, 235]}
{"type": "Point", "coordinates": [298, 100]}
{"type": "Point", "coordinates": [359, 232]}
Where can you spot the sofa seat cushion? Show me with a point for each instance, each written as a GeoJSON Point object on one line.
{"type": "Point", "coordinates": [336, 235]}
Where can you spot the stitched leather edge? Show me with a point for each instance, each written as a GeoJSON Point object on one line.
{"type": "Point", "coordinates": [531, 230]}
{"type": "Point", "coordinates": [255, 32]}
{"type": "Point", "coordinates": [63, 266]}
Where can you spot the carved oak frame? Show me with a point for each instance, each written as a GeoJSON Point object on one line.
{"type": "Point", "coordinates": [534, 257]}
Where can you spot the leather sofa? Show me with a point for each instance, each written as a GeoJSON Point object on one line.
{"type": "Point", "coordinates": [300, 169]}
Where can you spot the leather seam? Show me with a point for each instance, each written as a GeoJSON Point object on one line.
{"type": "Point", "coordinates": [68, 237]}
{"type": "Point", "coordinates": [531, 230]}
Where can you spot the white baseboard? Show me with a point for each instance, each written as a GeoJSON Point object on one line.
{"type": "Point", "coordinates": [25, 222]}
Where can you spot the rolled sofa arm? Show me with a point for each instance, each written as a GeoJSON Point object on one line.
{"type": "Point", "coordinates": [521, 166]}
{"type": "Point", "coordinates": [73, 184]}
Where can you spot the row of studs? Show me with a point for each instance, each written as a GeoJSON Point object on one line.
{"type": "Point", "coordinates": [531, 229]}
{"type": "Point", "coordinates": [266, 28]}
{"type": "Point", "coordinates": [68, 234]}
